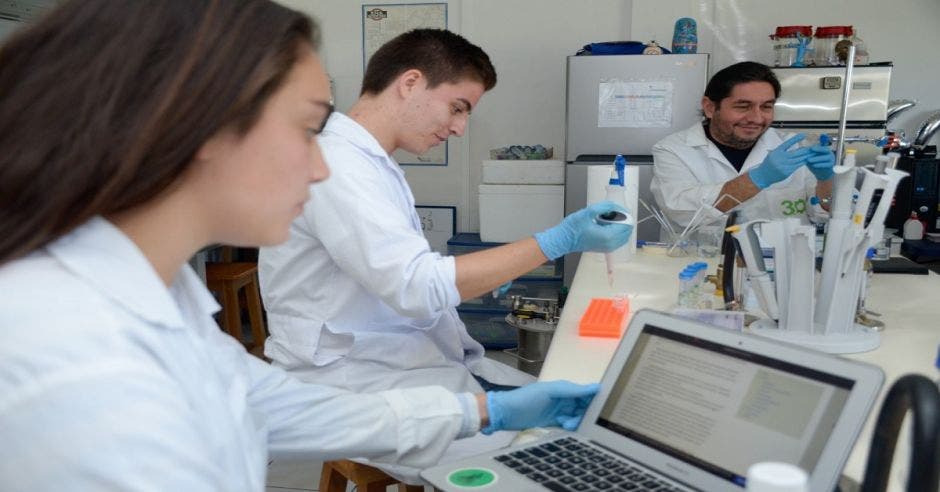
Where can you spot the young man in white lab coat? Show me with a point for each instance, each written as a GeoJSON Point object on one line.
{"type": "Point", "coordinates": [356, 298]}
{"type": "Point", "coordinates": [734, 160]}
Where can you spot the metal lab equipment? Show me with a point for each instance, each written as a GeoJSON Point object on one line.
{"type": "Point", "coordinates": [898, 106]}
{"type": "Point", "coordinates": [811, 101]}
{"type": "Point", "coordinates": [612, 108]}
{"type": "Point", "coordinates": [535, 320]}
{"type": "Point", "coordinates": [921, 192]}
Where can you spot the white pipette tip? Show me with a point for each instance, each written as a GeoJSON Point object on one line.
{"type": "Point", "coordinates": [609, 259]}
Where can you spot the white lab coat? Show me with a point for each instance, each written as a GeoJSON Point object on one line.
{"type": "Point", "coordinates": [689, 172]}
{"type": "Point", "coordinates": [111, 381]}
{"type": "Point", "coordinates": [356, 298]}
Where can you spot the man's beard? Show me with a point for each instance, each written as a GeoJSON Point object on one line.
{"type": "Point", "coordinates": [732, 140]}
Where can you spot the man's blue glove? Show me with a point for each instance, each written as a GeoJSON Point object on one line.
{"type": "Point", "coordinates": [820, 162]}
{"type": "Point", "coordinates": [539, 405]}
{"type": "Point", "coordinates": [780, 163]}
{"type": "Point", "coordinates": [579, 232]}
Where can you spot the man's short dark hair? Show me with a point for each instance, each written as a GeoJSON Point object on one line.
{"type": "Point", "coordinates": [440, 55]}
{"type": "Point", "coordinates": [721, 84]}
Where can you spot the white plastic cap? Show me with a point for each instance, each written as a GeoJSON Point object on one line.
{"type": "Point", "coordinates": [776, 477]}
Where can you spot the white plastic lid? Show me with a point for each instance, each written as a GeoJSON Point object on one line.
{"type": "Point", "coordinates": [776, 477]}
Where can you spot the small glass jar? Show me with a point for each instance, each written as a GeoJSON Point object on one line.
{"type": "Point", "coordinates": [826, 44]}
{"type": "Point", "coordinates": [791, 45]}
{"type": "Point", "coordinates": [861, 49]}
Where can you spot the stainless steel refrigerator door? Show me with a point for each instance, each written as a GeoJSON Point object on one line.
{"type": "Point", "coordinates": [685, 74]}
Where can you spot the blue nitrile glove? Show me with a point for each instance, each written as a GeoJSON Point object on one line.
{"type": "Point", "coordinates": [539, 405]}
{"type": "Point", "coordinates": [579, 232]}
{"type": "Point", "coordinates": [820, 162]}
{"type": "Point", "coordinates": [780, 163]}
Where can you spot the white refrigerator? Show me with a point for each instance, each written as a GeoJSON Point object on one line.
{"type": "Point", "coordinates": [623, 104]}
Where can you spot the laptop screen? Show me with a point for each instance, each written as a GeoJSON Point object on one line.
{"type": "Point", "coordinates": [720, 408]}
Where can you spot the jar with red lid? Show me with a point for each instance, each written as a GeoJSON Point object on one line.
{"type": "Point", "coordinates": [791, 45]}
{"type": "Point", "coordinates": [826, 43]}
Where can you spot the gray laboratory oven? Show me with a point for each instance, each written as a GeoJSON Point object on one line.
{"type": "Point", "coordinates": [595, 131]}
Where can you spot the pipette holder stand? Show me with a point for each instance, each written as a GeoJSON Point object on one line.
{"type": "Point", "coordinates": [831, 327]}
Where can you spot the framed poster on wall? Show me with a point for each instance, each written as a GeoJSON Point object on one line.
{"type": "Point", "coordinates": [381, 23]}
{"type": "Point", "coordinates": [439, 224]}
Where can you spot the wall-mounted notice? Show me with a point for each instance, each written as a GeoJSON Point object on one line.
{"type": "Point", "coordinates": [635, 104]}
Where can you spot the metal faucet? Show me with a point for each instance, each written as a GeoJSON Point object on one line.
{"type": "Point", "coordinates": [927, 129]}
{"type": "Point", "coordinates": [898, 106]}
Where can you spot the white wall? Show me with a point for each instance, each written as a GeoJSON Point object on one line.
{"type": "Point", "coordinates": [906, 33]}
{"type": "Point", "coordinates": [528, 41]}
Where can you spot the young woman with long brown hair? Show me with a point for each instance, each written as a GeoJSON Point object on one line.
{"type": "Point", "coordinates": [132, 134]}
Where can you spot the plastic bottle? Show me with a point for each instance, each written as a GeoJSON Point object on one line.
{"type": "Point", "coordinates": [913, 228]}
{"type": "Point", "coordinates": [685, 36]}
{"type": "Point", "coordinates": [685, 286]}
{"type": "Point", "coordinates": [826, 43]}
{"type": "Point", "coordinates": [861, 50]}
{"type": "Point", "coordinates": [700, 268]}
{"type": "Point", "coordinates": [617, 192]}
{"type": "Point", "coordinates": [707, 298]}
{"type": "Point", "coordinates": [791, 46]}
{"type": "Point", "coordinates": [694, 291]}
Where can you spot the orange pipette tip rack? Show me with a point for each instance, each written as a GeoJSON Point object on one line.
{"type": "Point", "coordinates": [605, 318]}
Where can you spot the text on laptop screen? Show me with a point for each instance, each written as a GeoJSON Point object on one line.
{"type": "Point", "coordinates": [720, 408]}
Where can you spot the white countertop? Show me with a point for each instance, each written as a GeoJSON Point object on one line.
{"type": "Point", "coordinates": [909, 304]}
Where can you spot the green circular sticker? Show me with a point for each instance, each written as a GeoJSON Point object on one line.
{"type": "Point", "coordinates": [472, 477]}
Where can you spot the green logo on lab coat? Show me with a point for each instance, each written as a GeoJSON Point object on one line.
{"type": "Point", "coordinates": [793, 207]}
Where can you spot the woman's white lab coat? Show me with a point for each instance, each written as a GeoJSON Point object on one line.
{"type": "Point", "coordinates": [109, 380]}
{"type": "Point", "coordinates": [689, 172]}
{"type": "Point", "coordinates": [356, 298]}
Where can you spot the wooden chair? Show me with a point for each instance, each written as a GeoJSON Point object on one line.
{"type": "Point", "coordinates": [230, 280]}
{"type": "Point", "coordinates": [336, 475]}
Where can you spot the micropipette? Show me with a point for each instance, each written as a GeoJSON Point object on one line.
{"type": "Point", "coordinates": [612, 217]}
{"type": "Point", "coordinates": [756, 269]}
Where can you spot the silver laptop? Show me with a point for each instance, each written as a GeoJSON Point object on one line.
{"type": "Point", "coordinates": [686, 406]}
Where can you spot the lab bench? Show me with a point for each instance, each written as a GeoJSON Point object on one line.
{"type": "Point", "coordinates": [908, 343]}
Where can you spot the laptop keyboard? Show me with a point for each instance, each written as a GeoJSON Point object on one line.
{"type": "Point", "coordinates": [568, 464]}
